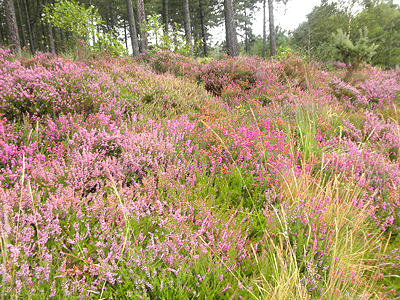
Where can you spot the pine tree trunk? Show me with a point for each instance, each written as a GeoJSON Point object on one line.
{"type": "Point", "coordinates": [132, 28]}
{"type": "Point", "coordinates": [264, 29]}
{"type": "Point", "coordinates": [142, 22]}
{"type": "Point", "coordinates": [50, 31]}
{"type": "Point", "coordinates": [28, 22]}
{"type": "Point", "coordinates": [246, 41]}
{"type": "Point", "coordinates": [272, 33]}
{"type": "Point", "coordinates": [203, 28]}
{"type": "Point", "coordinates": [108, 26]}
{"type": "Point", "coordinates": [63, 40]}
{"type": "Point", "coordinates": [21, 24]}
{"type": "Point", "coordinates": [41, 36]}
{"type": "Point", "coordinates": [227, 34]}
{"type": "Point", "coordinates": [233, 46]}
{"type": "Point", "coordinates": [112, 19]}
{"type": "Point", "coordinates": [186, 18]}
{"type": "Point", "coordinates": [166, 16]}
{"type": "Point", "coordinates": [12, 26]}
{"type": "Point", "coordinates": [125, 35]}
{"type": "Point", "coordinates": [94, 30]}
{"type": "Point", "coordinates": [2, 40]}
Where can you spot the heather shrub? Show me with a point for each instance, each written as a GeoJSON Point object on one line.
{"type": "Point", "coordinates": [245, 162]}
{"type": "Point", "coordinates": [166, 61]}
{"type": "Point", "coordinates": [379, 134]}
{"type": "Point", "coordinates": [97, 257]}
{"type": "Point", "coordinates": [269, 90]}
{"type": "Point", "coordinates": [15, 156]}
{"type": "Point", "coordinates": [218, 74]}
{"type": "Point", "coordinates": [344, 91]}
{"type": "Point", "coordinates": [375, 174]}
{"type": "Point", "coordinates": [380, 92]}
{"type": "Point", "coordinates": [5, 55]}
{"type": "Point", "coordinates": [141, 91]}
{"type": "Point", "coordinates": [295, 72]}
{"type": "Point", "coordinates": [161, 189]}
{"type": "Point", "coordinates": [368, 93]}
{"type": "Point", "coordinates": [64, 88]}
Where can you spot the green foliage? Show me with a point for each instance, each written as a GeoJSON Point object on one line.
{"type": "Point", "coordinates": [173, 41]}
{"type": "Point", "coordinates": [72, 17]}
{"type": "Point", "coordinates": [284, 52]}
{"type": "Point", "coordinates": [363, 50]}
{"type": "Point", "coordinates": [109, 43]}
{"type": "Point", "coordinates": [353, 54]}
{"type": "Point", "coordinates": [382, 19]}
{"type": "Point", "coordinates": [256, 44]}
{"type": "Point", "coordinates": [312, 37]}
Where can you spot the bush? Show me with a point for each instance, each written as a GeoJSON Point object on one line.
{"type": "Point", "coordinates": [166, 61]}
{"type": "Point", "coordinates": [218, 74]}
{"type": "Point", "coordinates": [354, 54]}
{"type": "Point", "coordinates": [53, 87]}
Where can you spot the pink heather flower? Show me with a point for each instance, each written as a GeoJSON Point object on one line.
{"type": "Point", "coordinates": [226, 288]}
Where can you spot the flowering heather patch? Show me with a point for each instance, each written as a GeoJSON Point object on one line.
{"type": "Point", "coordinates": [242, 72]}
{"type": "Point", "coordinates": [383, 135]}
{"type": "Point", "coordinates": [251, 159]}
{"type": "Point", "coordinates": [370, 170]}
{"type": "Point", "coordinates": [166, 61]}
{"type": "Point", "coordinates": [371, 91]}
{"type": "Point", "coordinates": [64, 87]}
{"type": "Point", "coordinates": [83, 244]}
{"type": "Point", "coordinates": [123, 179]}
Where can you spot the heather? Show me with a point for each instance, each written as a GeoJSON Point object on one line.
{"type": "Point", "coordinates": [166, 177]}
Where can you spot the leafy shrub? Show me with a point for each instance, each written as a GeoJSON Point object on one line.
{"type": "Point", "coordinates": [354, 54]}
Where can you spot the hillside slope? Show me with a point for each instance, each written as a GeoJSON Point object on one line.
{"type": "Point", "coordinates": [172, 178]}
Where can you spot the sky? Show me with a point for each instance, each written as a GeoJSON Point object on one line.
{"type": "Point", "coordinates": [287, 16]}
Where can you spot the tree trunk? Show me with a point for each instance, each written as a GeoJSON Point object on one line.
{"type": "Point", "coordinates": [125, 35]}
{"type": "Point", "coordinates": [227, 35]}
{"type": "Point", "coordinates": [12, 26]}
{"type": "Point", "coordinates": [108, 26]}
{"type": "Point", "coordinates": [186, 18]}
{"type": "Point", "coordinates": [41, 36]}
{"type": "Point", "coordinates": [142, 22]}
{"type": "Point", "coordinates": [2, 40]}
{"type": "Point", "coordinates": [166, 16]}
{"type": "Point", "coordinates": [272, 33]}
{"type": "Point", "coordinates": [50, 30]}
{"type": "Point", "coordinates": [132, 28]}
{"type": "Point", "coordinates": [264, 29]}
{"type": "Point", "coordinates": [203, 28]}
{"type": "Point", "coordinates": [94, 30]}
{"type": "Point", "coordinates": [112, 19]}
{"type": "Point", "coordinates": [28, 22]}
{"type": "Point", "coordinates": [63, 40]}
{"type": "Point", "coordinates": [21, 24]}
{"type": "Point", "coordinates": [246, 41]}
{"type": "Point", "coordinates": [231, 35]}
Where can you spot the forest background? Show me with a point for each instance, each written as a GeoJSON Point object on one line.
{"type": "Point", "coordinates": [172, 24]}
